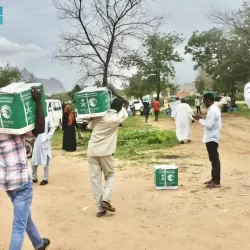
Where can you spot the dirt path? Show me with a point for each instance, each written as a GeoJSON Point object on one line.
{"type": "Point", "coordinates": [190, 218]}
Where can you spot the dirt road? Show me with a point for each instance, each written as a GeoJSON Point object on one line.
{"type": "Point", "coordinates": [191, 218]}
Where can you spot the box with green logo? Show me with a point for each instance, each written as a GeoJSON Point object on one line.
{"type": "Point", "coordinates": [18, 109]}
{"type": "Point", "coordinates": [93, 102]}
{"type": "Point", "coordinates": [166, 177]}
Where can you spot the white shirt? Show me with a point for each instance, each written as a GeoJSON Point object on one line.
{"type": "Point", "coordinates": [104, 132]}
{"type": "Point", "coordinates": [197, 102]}
{"type": "Point", "coordinates": [212, 125]}
{"type": "Point", "coordinates": [247, 94]}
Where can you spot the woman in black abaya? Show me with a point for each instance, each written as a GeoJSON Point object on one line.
{"type": "Point", "coordinates": [69, 130]}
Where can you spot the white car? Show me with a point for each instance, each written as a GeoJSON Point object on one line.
{"type": "Point", "coordinates": [54, 109]}
{"type": "Point", "coordinates": [81, 122]}
{"type": "Point", "coordinates": [137, 103]}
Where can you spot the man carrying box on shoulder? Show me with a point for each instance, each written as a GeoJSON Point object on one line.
{"type": "Point", "coordinates": [16, 180]}
{"type": "Point", "coordinates": [101, 150]}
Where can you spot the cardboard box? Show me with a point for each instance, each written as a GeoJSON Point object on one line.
{"type": "Point", "coordinates": [18, 109]}
{"type": "Point", "coordinates": [166, 177]}
{"type": "Point", "coordinates": [93, 102]}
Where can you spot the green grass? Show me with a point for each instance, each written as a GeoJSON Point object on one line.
{"type": "Point", "coordinates": [136, 140]}
{"type": "Point", "coordinates": [243, 110]}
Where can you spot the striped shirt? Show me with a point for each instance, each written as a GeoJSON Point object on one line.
{"type": "Point", "coordinates": [14, 169]}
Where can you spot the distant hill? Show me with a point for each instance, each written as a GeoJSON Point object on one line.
{"type": "Point", "coordinates": [51, 86]}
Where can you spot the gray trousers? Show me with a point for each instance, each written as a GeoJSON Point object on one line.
{"type": "Point", "coordinates": [45, 175]}
{"type": "Point", "coordinates": [97, 166]}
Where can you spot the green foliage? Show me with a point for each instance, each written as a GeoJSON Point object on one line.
{"type": "Point", "coordinates": [156, 64]}
{"type": "Point", "coordinates": [191, 100]}
{"type": "Point", "coordinates": [203, 82]}
{"type": "Point", "coordinates": [239, 96]}
{"type": "Point", "coordinates": [133, 140]}
{"type": "Point", "coordinates": [8, 75]}
{"type": "Point", "coordinates": [223, 56]}
{"type": "Point", "coordinates": [138, 87]}
{"type": "Point", "coordinates": [75, 89]}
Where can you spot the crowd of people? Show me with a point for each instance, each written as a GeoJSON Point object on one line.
{"type": "Point", "coordinates": [16, 178]}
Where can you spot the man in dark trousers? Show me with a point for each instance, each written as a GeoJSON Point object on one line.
{"type": "Point", "coordinates": [212, 126]}
{"type": "Point", "coordinates": [156, 107]}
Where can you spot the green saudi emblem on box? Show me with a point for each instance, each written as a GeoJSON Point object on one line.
{"type": "Point", "coordinates": [93, 102]}
{"type": "Point", "coordinates": [18, 109]}
{"type": "Point", "coordinates": [166, 177]}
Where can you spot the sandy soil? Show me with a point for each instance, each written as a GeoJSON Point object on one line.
{"type": "Point", "coordinates": [191, 218]}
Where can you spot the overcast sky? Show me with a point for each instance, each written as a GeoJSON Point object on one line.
{"type": "Point", "coordinates": [31, 28]}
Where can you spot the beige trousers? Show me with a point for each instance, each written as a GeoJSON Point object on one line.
{"type": "Point", "coordinates": [97, 166]}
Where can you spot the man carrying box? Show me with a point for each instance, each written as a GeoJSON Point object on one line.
{"type": "Point", "coordinates": [101, 149]}
{"type": "Point", "coordinates": [16, 180]}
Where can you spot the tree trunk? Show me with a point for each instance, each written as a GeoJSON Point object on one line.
{"type": "Point", "coordinates": [158, 87]}
{"type": "Point", "coordinates": [105, 78]}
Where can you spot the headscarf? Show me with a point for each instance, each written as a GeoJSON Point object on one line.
{"type": "Point", "coordinates": [71, 115]}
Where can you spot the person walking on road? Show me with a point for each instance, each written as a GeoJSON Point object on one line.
{"type": "Point", "coordinates": [156, 107]}
{"type": "Point", "coordinates": [198, 105]}
{"type": "Point", "coordinates": [146, 109]}
{"type": "Point", "coordinates": [16, 180]}
{"type": "Point", "coordinates": [212, 127]}
{"type": "Point", "coordinates": [174, 106]}
{"type": "Point", "coordinates": [42, 151]}
{"type": "Point", "coordinates": [183, 120]}
{"type": "Point", "coordinates": [101, 150]}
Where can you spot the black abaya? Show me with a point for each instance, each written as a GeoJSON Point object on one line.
{"type": "Point", "coordinates": [69, 134]}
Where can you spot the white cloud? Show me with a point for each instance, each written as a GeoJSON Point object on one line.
{"type": "Point", "coordinates": [16, 53]}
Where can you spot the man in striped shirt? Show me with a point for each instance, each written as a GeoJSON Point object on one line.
{"type": "Point", "coordinates": [16, 180]}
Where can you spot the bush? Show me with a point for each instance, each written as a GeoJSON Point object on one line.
{"type": "Point", "coordinates": [191, 100]}
{"type": "Point", "coordinates": [133, 141]}
{"type": "Point", "coordinates": [239, 96]}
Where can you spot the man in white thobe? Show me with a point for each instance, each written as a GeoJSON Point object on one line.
{"type": "Point", "coordinates": [247, 94]}
{"type": "Point", "coordinates": [42, 151]}
{"type": "Point", "coordinates": [183, 120]}
{"type": "Point", "coordinates": [174, 106]}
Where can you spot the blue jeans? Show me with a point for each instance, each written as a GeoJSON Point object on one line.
{"type": "Point", "coordinates": [21, 199]}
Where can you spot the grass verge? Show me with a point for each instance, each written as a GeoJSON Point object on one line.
{"type": "Point", "coordinates": [136, 141]}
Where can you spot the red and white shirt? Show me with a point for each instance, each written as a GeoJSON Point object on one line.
{"type": "Point", "coordinates": [14, 169]}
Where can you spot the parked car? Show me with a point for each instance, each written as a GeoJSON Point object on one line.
{"type": "Point", "coordinates": [54, 108]}
{"type": "Point", "coordinates": [81, 122]}
{"type": "Point", "coordinates": [137, 103]}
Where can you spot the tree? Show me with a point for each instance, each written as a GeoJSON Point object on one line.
{"type": "Point", "coordinates": [156, 64]}
{"type": "Point", "coordinates": [102, 31]}
{"type": "Point", "coordinates": [236, 21]}
{"type": "Point", "coordinates": [222, 56]}
{"type": "Point", "coordinates": [76, 88]}
{"type": "Point", "coordinates": [8, 75]}
{"type": "Point", "coordinates": [137, 87]}
{"type": "Point", "coordinates": [203, 82]}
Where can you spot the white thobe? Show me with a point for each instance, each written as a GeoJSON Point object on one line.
{"type": "Point", "coordinates": [247, 94]}
{"type": "Point", "coordinates": [42, 147]}
{"type": "Point", "coordinates": [183, 119]}
{"type": "Point", "coordinates": [174, 106]}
